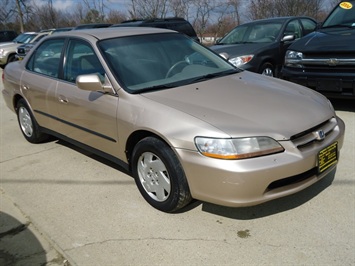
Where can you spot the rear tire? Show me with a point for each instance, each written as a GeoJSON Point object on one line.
{"type": "Point", "coordinates": [28, 125]}
{"type": "Point", "coordinates": [159, 175]}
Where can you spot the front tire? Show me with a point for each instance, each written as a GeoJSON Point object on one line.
{"type": "Point", "coordinates": [28, 125]}
{"type": "Point", "coordinates": [159, 175]}
{"type": "Point", "coordinates": [267, 69]}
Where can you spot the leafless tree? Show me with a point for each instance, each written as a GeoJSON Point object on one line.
{"type": "Point", "coordinates": [20, 8]}
{"type": "Point", "coordinates": [148, 9]}
{"type": "Point", "coordinates": [7, 10]}
{"type": "Point", "coordinates": [235, 13]}
{"type": "Point", "coordinates": [46, 15]}
{"type": "Point", "coordinates": [99, 6]}
{"type": "Point", "coordinates": [115, 17]}
{"type": "Point", "coordinates": [259, 9]}
{"type": "Point", "coordinates": [78, 14]}
{"type": "Point", "coordinates": [203, 14]}
{"type": "Point", "coordinates": [180, 8]}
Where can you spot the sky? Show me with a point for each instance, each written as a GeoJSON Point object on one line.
{"type": "Point", "coordinates": [121, 5]}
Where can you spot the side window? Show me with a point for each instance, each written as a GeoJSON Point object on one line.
{"type": "Point", "coordinates": [81, 59]}
{"type": "Point", "coordinates": [46, 59]}
{"type": "Point", "coordinates": [308, 26]}
{"type": "Point", "coordinates": [294, 28]}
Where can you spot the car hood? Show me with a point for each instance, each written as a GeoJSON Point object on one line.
{"type": "Point", "coordinates": [330, 40]}
{"type": "Point", "coordinates": [240, 49]}
{"type": "Point", "coordinates": [5, 43]}
{"type": "Point", "coordinates": [248, 104]}
{"type": "Point", "coordinates": [8, 45]}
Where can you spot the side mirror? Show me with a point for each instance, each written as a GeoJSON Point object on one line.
{"type": "Point", "coordinates": [92, 82]}
{"type": "Point", "coordinates": [224, 55]}
{"type": "Point", "coordinates": [288, 38]}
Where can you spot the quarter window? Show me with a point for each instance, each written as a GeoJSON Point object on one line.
{"type": "Point", "coordinates": [46, 59]}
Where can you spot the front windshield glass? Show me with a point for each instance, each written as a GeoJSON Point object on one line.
{"type": "Point", "coordinates": [161, 61]}
{"type": "Point", "coordinates": [342, 15]}
{"type": "Point", "coordinates": [253, 33]}
{"type": "Point", "coordinates": [24, 38]}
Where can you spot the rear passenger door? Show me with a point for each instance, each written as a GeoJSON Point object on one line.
{"type": "Point", "coordinates": [39, 81]}
{"type": "Point", "coordinates": [86, 116]}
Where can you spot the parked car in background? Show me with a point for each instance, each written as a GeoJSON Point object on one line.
{"type": "Point", "coordinates": [8, 50]}
{"type": "Point", "coordinates": [184, 121]}
{"type": "Point", "coordinates": [92, 26]}
{"type": "Point", "coordinates": [7, 35]}
{"type": "Point", "coordinates": [325, 60]}
{"type": "Point", "coordinates": [260, 46]}
{"type": "Point", "coordinates": [58, 30]}
{"type": "Point", "coordinates": [23, 49]}
{"type": "Point", "coordinates": [178, 24]}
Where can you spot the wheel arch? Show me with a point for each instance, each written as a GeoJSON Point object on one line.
{"type": "Point", "coordinates": [16, 99]}
{"type": "Point", "coordinates": [134, 138]}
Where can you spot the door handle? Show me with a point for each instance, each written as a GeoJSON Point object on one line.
{"type": "Point", "coordinates": [63, 99]}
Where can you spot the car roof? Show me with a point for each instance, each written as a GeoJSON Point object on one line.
{"type": "Point", "coordinates": [277, 19]}
{"type": "Point", "coordinates": [106, 33]}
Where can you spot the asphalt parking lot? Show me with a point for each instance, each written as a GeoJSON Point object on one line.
{"type": "Point", "coordinates": [63, 206]}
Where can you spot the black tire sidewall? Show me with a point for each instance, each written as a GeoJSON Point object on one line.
{"type": "Point", "coordinates": [176, 174]}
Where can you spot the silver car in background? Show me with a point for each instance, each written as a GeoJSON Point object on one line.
{"type": "Point", "coordinates": [185, 122]}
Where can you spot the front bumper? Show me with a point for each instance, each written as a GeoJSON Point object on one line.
{"type": "Point", "coordinates": [249, 182]}
{"type": "Point", "coordinates": [332, 84]}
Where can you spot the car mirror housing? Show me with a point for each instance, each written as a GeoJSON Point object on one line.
{"type": "Point", "coordinates": [92, 82]}
{"type": "Point", "coordinates": [288, 38]}
{"type": "Point", "coordinates": [224, 55]}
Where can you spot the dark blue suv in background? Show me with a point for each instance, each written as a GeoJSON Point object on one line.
{"type": "Point", "coordinates": [325, 60]}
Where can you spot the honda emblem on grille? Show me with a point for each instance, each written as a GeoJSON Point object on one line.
{"type": "Point", "coordinates": [320, 135]}
{"type": "Point", "coordinates": [332, 62]}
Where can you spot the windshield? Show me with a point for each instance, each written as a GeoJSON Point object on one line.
{"type": "Point", "coordinates": [342, 15]}
{"type": "Point", "coordinates": [253, 33]}
{"type": "Point", "coordinates": [160, 61]}
{"type": "Point", "coordinates": [24, 38]}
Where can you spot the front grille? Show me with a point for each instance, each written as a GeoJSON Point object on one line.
{"type": "Point", "coordinates": [342, 62]}
{"type": "Point", "coordinates": [309, 137]}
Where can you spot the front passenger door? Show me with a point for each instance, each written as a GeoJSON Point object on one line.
{"type": "Point", "coordinates": [87, 117]}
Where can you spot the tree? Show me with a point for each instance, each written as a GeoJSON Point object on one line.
{"type": "Point", "coordinates": [95, 7]}
{"type": "Point", "coordinates": [180, 8]}
{"type": "Point", "coordinates": [93, 16]}
{"type": "Point", "coordinates": [259, 9]}
{"type": "Point", "coordinates": [19, 5]}
{"type": "Point", "coordinates": [7, 10]}
{"type": "Point", "coordinates": [46, 15]}
{"type": "Point", "coordinates": [115, 17]}
{"type": "Point", "coordinates": [148, 9]}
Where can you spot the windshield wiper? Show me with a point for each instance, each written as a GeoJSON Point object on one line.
{"type": "Point", "coordinates": [215, 75]}
{"type": "Point", "coordinates": [338, 26]}
{"type": "Point", "coordinates": [159, 87]}
{"type": "Point", "coordinates": [221, 43]}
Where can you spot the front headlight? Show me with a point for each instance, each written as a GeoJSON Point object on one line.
{"type": "Point", "coordinates": [241, 60]}
{"type": "Point", "coordinates": [293, 59]}
{"type": "Point", "coordinates": [240, 148]}
{"type": "Point", "coordinates": [1, 51]}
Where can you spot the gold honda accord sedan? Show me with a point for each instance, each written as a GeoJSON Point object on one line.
{"type": "Point", "coordinates": [186, 123]}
